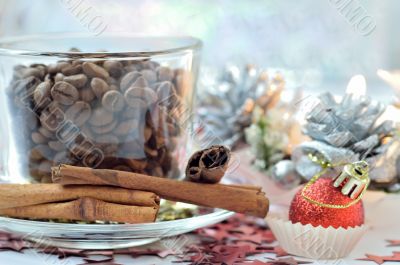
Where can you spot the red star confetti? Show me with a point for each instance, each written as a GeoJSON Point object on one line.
{"type": "Point", "coordinates": [268, 236]}
{"type": "Point", "coordinates": [393, 243]}
{"type": "Point", "coordinates": [247, 230]}
{"type": "Point", "coordinates": [165, 253]}
{"type": "Point", "coordinates": [254, 238]}
{"type": "Point", "coordinates": [214, 234]}
{"type": "Point", "coordinates": [194, 259]}
{"type": "Point", "coordinates": [278, 251]}
{"type": "Point", "coordinates": [382, 259]}
{"type": "Point", "coordinates": [4, 237]}
{"type": "Point", "coordinates": [13, 245]}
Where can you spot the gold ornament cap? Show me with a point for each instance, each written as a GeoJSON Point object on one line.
{"type": "Point", "coordinates": [355, 181]}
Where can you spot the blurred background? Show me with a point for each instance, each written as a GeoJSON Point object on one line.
{"type": "Point", "coordinates": [322, 43]}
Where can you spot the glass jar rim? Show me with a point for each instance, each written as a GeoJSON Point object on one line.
{"type": "Point", "coordinates": [184, 44]}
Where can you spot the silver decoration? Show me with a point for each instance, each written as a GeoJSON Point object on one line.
{"type": "Point", "coordinates": [347, 131]}
{"type": "Point", "coordinates": [384, 163]}
{"type": "Point", "coordinates": [284, 174]}
{"type": "Point", "coordinates": [335, 155]}
{"type": "Point", "coordinates": [227, 99]}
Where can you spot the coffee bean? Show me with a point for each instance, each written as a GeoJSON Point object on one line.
{"type": "Point", "coordinates": [114, 68]}
{"type": "Point", "coordinates": [99, 87]}
{"type": "Point", "coordinates": [52, 120]}
{"type": "Point", "coordinates": [45, 132]}
{"type": "Point", "coordinates": [107, 139]}
{"type": "Point", "coordinates": [132, 150]}
{"type": "Point", "coordinates": [52, 69]}
{"type": "Point", "coordinates": [55, 106]}
{"type": "Point", "coordinates": [165, 74]}
{"type": "Point", "coordinates": [110, 150]}
{"type": "Point", "coordinates": [64, 93]}
{"type": "Point", "coordinates": [149, 75]}
{"type": "Point", "coordinates": [114, 87]}
{"type": "Point", "coordinates": [42, 92]}
{"type": "Point", "coordinates": [133, 68]}
{"type": "Point", "coordinates": [48, 77]}
{"type": "Point", "coordinates": [62, 158]}
{"type": "Point", "coordinates": [136, 164]}
{"type": "Point", "coordinates": [113, 101]}
{"type": "Point", "coordinates": [126, 127]}
{"type": "Point", "coordinates": [79, 113]}
{"type": "Point", "coordinates": [101, 117]}
{"type": "Point", "coordinates": [140, 82]}
{"type": "Point", "coordinates": [76, 62]}
{"type": "Point", "coordinates": [45, 168]}
{"type": "Point", "coordinates": [72, 70]}
{"type": "Point", "coordinates": [38, 138]}
{"type": "Point", "coordinates": [147, 133]}
{"type": "Point", "coordinates": [61, 65]}
{"type": "Point", "coordinates": [87, 94]}
{"type": "Point", "coordinates": [79, 150]}
{"type": "Point", "coordinates": [157, 172]}
{"type": "Point", "coordinates": [135, 103]}
{"type": "Point", "coordinates": [146, 94]}
{"type": "Point", "coordinates": [77, 81]}
{"type": "Point", "coordinates": [87, 132]}
{"type": "Point", "coordinates": [150, 65]}
{"type": "Point", "coordinates": [129, 79]}
{"type": "Point", "coordinates": [23, 86]}
{"type": "Point", "coordinates": [113, 82]}
{"type": "Point", "coordinates": [105, 129]}
{"type": "Point", "coordinates": [46, 179]}
{"type": "Point", "coordinates": [31, 72]}
{"type": "Point", "coordinates": [166, 92]}
{"type": "Point", "coordinates": [122, 168]}
{"type": "Point", "coordinates": [93, 70]}
{"type": "Point", "coordinates": [59, 77]}
{"type": "Point", "coordinates": [40, 152]}
{"type": "Point", "coordinates": [31, 120]}
{"type": "Point", "coordinates": [162, 154]}
{"type": "Point", "coordinates": [56, 145]}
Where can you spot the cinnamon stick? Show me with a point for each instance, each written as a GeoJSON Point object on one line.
{"type": "Point", "coordinates": [85, 209]}
{"type": "Point", "coordinates": [17, 195]}
{"type": "Point", "coordinates": [208, 165]}
{"type": "Point", "coordinates": [242, 200]}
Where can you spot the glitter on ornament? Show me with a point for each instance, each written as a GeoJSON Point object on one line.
{"type": "Point", "coordinates": [306, 212]}
{"type": "Point", "coordinates": [331, 201]}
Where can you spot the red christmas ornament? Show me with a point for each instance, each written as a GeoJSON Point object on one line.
{"type": "Point", "coordinates": [305, 212]}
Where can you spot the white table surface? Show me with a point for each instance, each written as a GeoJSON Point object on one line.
{"type": "Point", "coordinates": [382, 217]}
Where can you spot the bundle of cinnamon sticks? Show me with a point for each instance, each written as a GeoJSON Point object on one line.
{"type": "Point", "coordinates": [82, 202]}
{"type": "Point", "coordinates": [80, 193]}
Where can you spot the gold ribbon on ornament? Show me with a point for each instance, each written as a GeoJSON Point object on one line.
{"type": "Point", "coordinates": [357, 183]}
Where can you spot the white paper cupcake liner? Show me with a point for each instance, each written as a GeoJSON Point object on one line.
{"type": "Point", "coordinates": [313, 242]}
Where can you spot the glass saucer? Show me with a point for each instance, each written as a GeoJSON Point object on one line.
{"type": "Point", "coordinates": [106, 236]}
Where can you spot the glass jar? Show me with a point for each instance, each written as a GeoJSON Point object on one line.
{"type": "Point", "coordinates": [112, 101]}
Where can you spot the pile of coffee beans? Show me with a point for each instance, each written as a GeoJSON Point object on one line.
{"type": "Point", "coordinates": [116, 114]}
